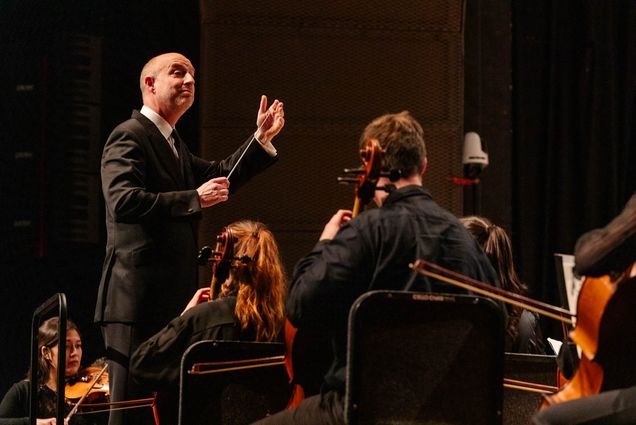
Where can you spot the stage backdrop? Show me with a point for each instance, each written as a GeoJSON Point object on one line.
{"type": "Point", "coordinates": [336, 66]}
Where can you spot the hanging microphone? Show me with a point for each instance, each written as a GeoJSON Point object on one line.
{"type": "Point", "coordinates": [474, 158]}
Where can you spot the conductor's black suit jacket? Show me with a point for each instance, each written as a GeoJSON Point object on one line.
{"type": "Point", "coordinates": [152, 207]}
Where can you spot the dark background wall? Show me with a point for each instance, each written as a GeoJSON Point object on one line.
{"type": "Point", "coordinates": [336, 67]}
{"type": "Point", "coordinates": [548, 85]}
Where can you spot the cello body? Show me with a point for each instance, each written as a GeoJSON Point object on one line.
{"type": "Point", "coordinates": [606, 320]}
{"type": "Point", "coordinates": [312, 356]}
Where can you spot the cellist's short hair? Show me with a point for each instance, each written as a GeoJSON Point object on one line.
{"type": "Point", "coordinates": [402, 138]}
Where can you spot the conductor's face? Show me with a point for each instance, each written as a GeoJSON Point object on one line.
{"type": "Point", "coordinates": [174, 83]}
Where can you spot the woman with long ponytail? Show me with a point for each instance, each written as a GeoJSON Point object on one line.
{"type": "Point", "coordinates": [249, 307]}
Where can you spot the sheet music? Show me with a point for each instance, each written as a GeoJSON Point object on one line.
{"type": "Point", "coordinates": [572, 282]}
{"type": "Point", "coordinates": [555, 344]}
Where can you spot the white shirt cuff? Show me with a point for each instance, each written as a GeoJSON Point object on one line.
{"type": "Point", "coordinates": [269, 148]}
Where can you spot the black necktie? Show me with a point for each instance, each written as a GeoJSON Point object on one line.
{"type": "Point", "coordinates": [177, 143]}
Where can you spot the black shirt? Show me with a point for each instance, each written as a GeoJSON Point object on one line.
{"type": "Point", "coordinates": [373, 251]}
{"type": "Point", "coordinates": [156, 362]}
{"type": "Point", "coordinates": [14, 408]}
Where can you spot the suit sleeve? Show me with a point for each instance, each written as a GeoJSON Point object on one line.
{"type": "Point", "coordinates": [328, 280]}
{"type": "Point", "coordinates": [255, 160]}
{"type": "Point", "coordinates": [156, 363]}
{"type": "Point", "coordinates": [126, 172]}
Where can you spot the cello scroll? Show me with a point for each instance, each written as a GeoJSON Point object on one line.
{"type": "Point", "coordinates": [367, 175]}
{"type": "Point", "coordinates": [222, 259]}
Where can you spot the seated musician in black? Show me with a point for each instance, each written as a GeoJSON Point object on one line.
{"type": "Point", "coordinates": [523, 333]}
{"type": "Point", "coordinates": [606, 251]}
{"type": "Point", "coordinates": [14, 408]}
{"type": "Point", "coordinates": [250, 307]}
{"type": "Point", "coordinates": [373, 251]}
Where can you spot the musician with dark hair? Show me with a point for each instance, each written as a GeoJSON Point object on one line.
{"type": "Point", "coordinates": [523, 332]}
{"type": "Point", "coordinates": [14, 408]}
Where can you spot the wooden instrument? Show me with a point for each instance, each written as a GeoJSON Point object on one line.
{"type": "Point", "coordinates": [221, 259]}
{"type": "Point", "coordinates": [603, 332]}
{"type": "Point", "coordinates": [368, 175]}
{"type": "Point", "coordinates": [90, 385]}
{"type": "Point", "coordinates": [88, 393]}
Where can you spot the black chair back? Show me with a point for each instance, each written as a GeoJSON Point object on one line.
{"type": "Point", "coordinates": [416, 358]}
{"type": "Point", "coordinates": [231, 382]}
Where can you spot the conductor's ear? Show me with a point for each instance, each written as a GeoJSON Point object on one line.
{"type": "Point", "coordinates": [149, 82]}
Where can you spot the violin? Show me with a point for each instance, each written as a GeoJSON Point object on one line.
{"type": "Point", "coordinates": [90, 383]}
{"type": "Point", "coordinates": [88, 392]}
{"type": "Point", "coordinates": [307, 354]}
{"type": "Point", "coordinates": [89, 386]}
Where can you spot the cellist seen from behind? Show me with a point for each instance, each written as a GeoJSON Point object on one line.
{"type": "Point", "coordinates": [373, 251]}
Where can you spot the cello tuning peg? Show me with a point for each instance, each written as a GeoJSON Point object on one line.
{"type": "Point", "coordinates": [388, 188]}
{"type": "Point", "coordinates": [346, 180]}
{"type": "Point", "coordinates": [393, 174]}
{"type": "Point", "coordinates": [204, 255]}
{"type": "Point", "coordinates": [356, 171]}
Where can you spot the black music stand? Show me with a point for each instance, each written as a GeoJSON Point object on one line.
{"type": "Point", "coordinates": [57, 300]}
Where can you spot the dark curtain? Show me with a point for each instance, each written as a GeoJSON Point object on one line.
{"type": "Point", "coordinates": [574, 126]}
{"type": "Point", "coordinates": [30, 33]}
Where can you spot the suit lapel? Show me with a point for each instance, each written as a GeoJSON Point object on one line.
{"type": "Point", "coordinates": [162, 149]}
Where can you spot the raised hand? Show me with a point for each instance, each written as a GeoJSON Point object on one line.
{"type": "Point", "coordinates": [333, 225]}
{"type": "Point", "coordinates": [201, 295]}
{"type": "Point", "coordinates": [269, 122]}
